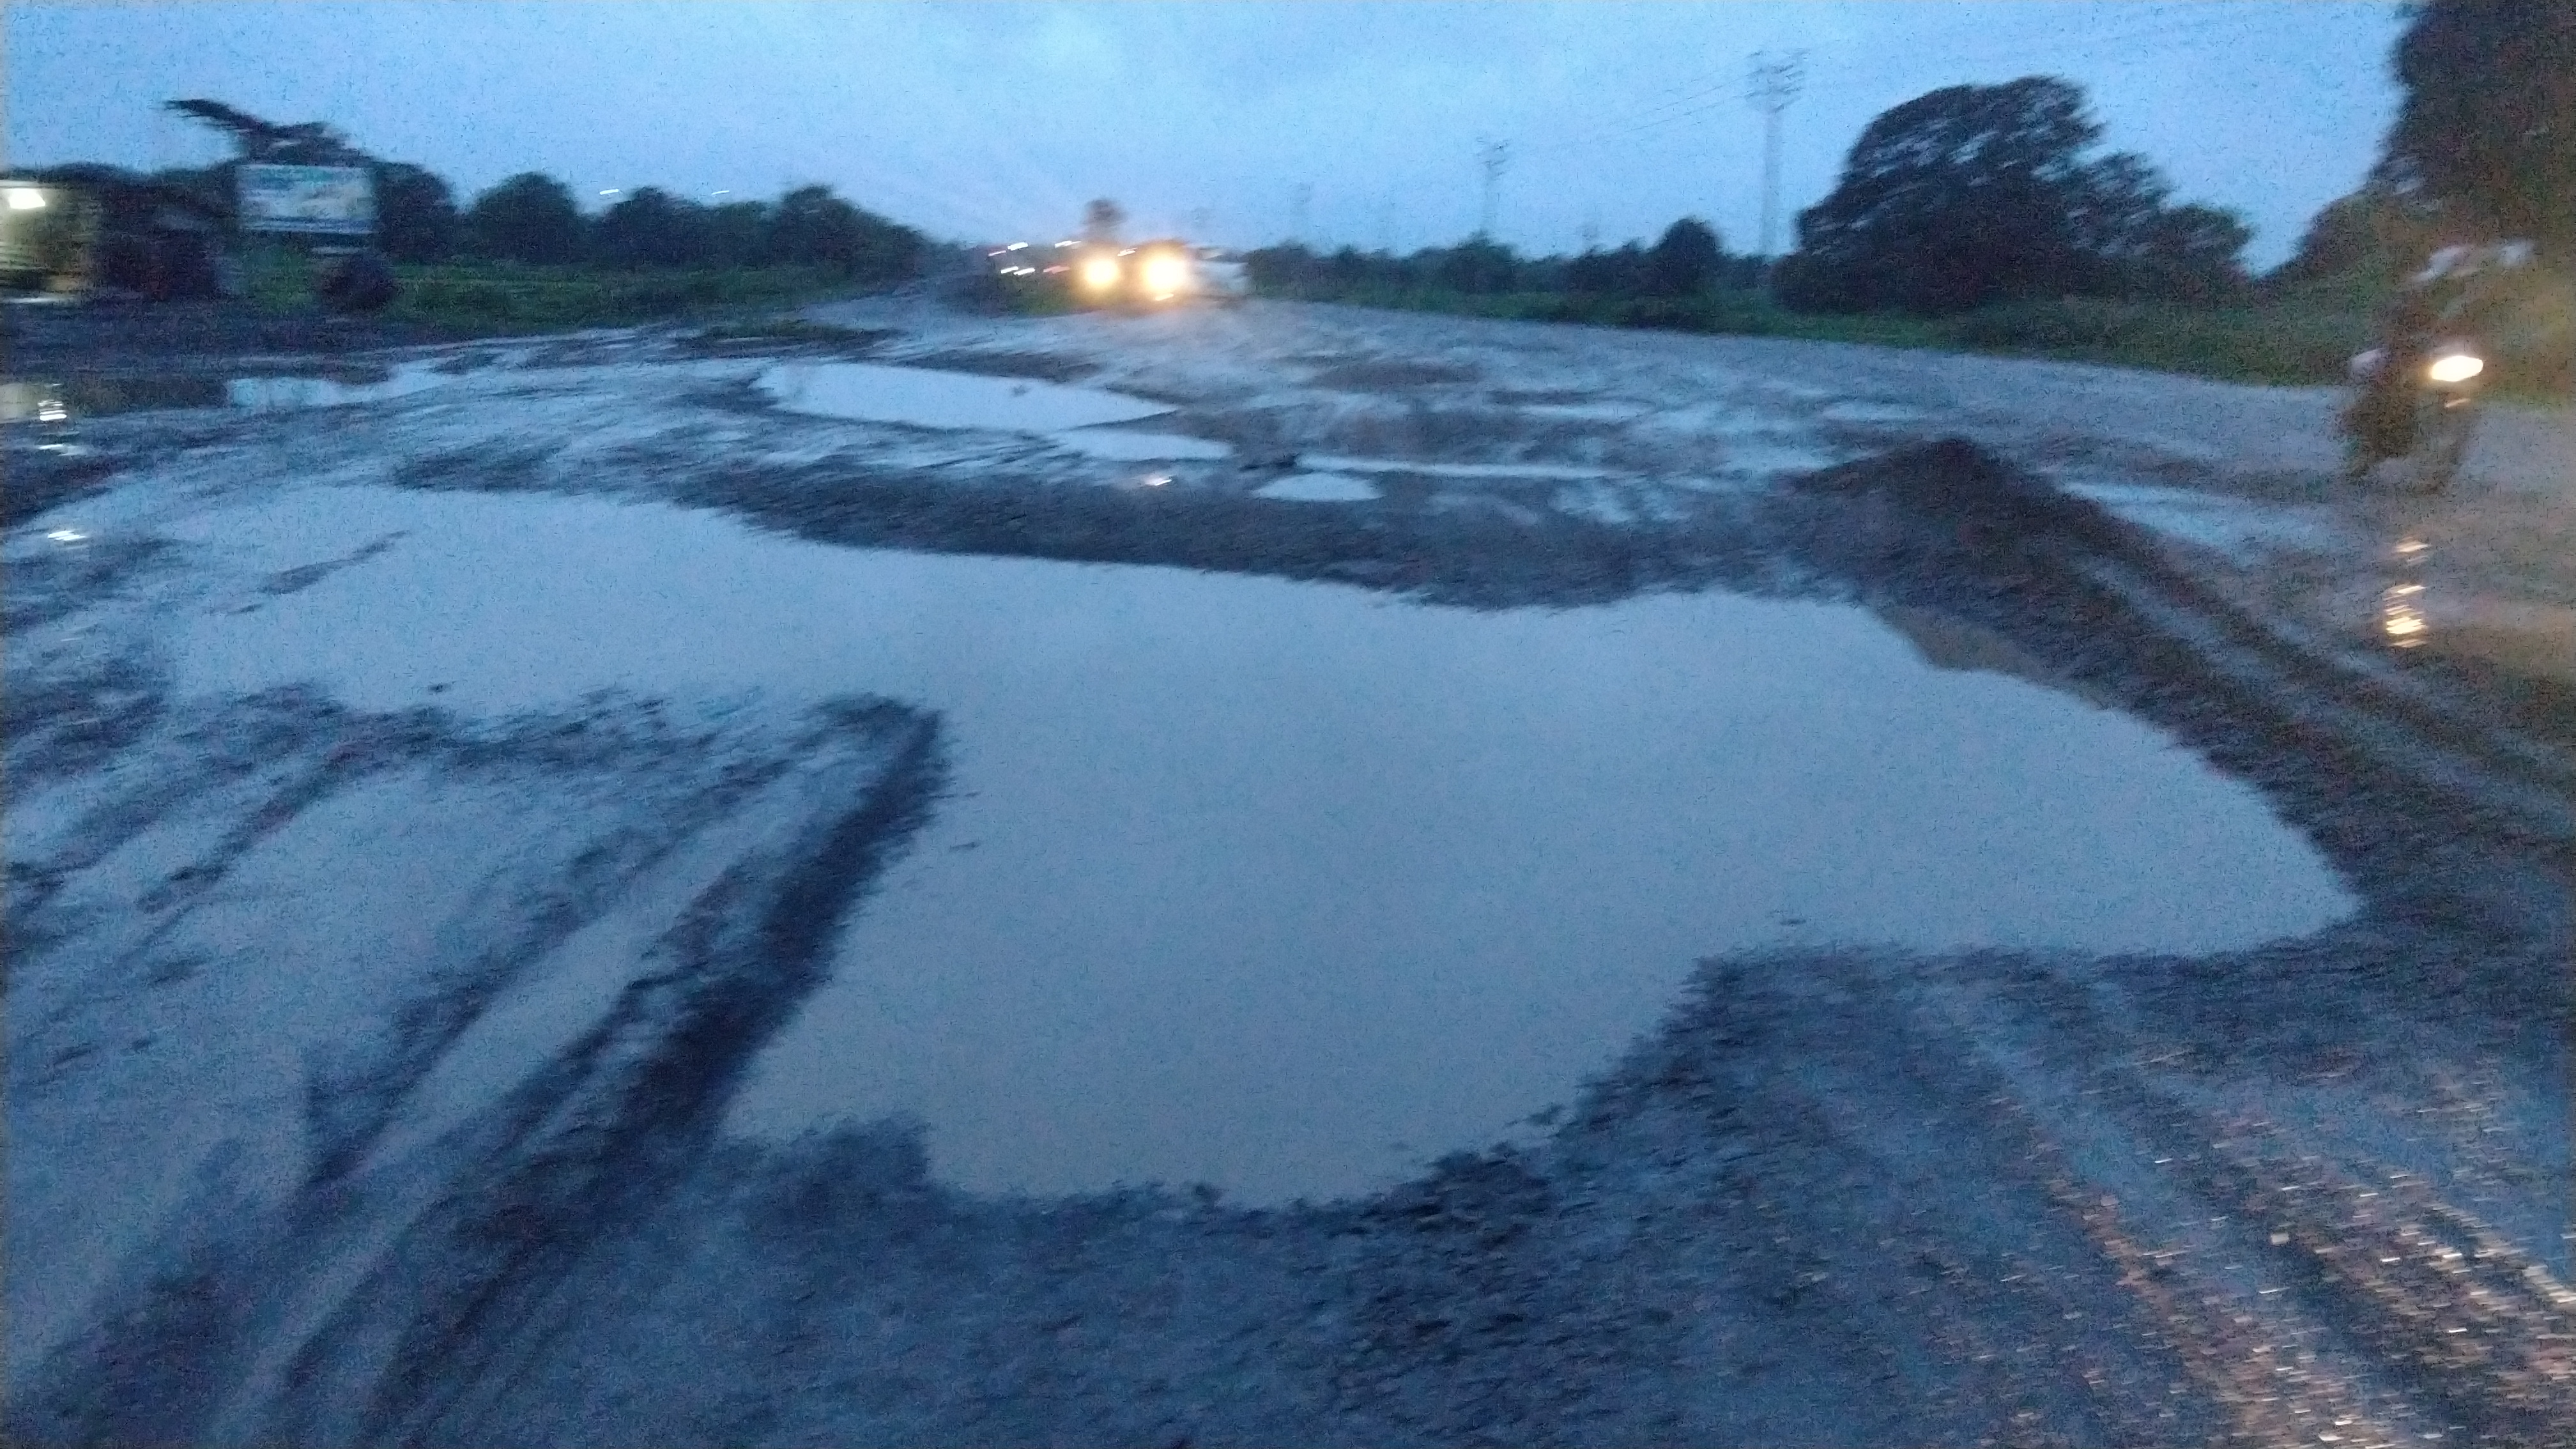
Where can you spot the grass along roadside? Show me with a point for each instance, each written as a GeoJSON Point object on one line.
{"type": "Point", "coordinates": [481, 299]}
{"type": "Point", "coordinates": [2298, 337]}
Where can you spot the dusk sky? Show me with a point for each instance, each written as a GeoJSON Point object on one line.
{"type": "Point", "coordinates": [992, 121]}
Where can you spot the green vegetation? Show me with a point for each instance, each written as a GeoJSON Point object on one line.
{"type": "Point", "coordinates": [490, 298]}
{"type": "Point", "coordinates": [2298, 334]}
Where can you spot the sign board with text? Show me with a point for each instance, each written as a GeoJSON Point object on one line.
{"type": "Point", "coordinates": [312, 200]}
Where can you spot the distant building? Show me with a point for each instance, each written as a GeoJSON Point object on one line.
{"type": "Point", "coordinates": [90, 230]}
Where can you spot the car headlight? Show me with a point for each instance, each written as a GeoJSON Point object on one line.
{"type": "Point", "coordinates": [1100, 273]}
{"type": "Point", "coordinates": [2455, 367]}
{"type": "Point", "coordinates": [1165, 275]}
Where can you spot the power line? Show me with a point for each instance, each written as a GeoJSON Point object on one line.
{"type": "Point", "coordinates": [1494, 157]}
{"type": "Point", "coordinates": [2163, 33]}
{"type": "Point", "coordinates": [1776, 82]}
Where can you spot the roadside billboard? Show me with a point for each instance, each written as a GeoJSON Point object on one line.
{"type": "Point", "coordinates": [310, 200]}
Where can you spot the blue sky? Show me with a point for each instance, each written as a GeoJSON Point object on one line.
{"type": "Point", "coordinates": [994, 120]}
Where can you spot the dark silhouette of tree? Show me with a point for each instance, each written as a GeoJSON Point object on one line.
{"type": "Point", "coordinates": [814, 228]}
{"type": "Point", "coordinates": [1285, 268]}
{"type": "Point", "coordinates": [1951, 200]}
{"type": "Point", "coordinates": [651, 228]}
{"type": "Point", "coordinates": [528, 218]}
{"type": "Point", "coordinates": [415, 213]}
{"type": "Point", "coordinates": [1101, 221]}
{"type": "Point", "coordinates": [1618, 273]}
{"type": "Point", "coordinates": [1684, 260]}
{"type": "Point", "coordinates": [1481, 265]}
{"type": "Point", "coordinates": [2373, 231]}
{"type": "Point", "coordinates": [1977, 194]}
{"type": "Point", "coordinates": [2487, 131]}
{"type": "Point", "coordinates": [737, 234]}
{"type": "Point", "coordinates": [307, 143]}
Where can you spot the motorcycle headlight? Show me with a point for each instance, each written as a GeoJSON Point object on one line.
{"type": "Point", "coordinates": [2455, 367]}
{"type": "Point", "coordinates": [1100, 273]}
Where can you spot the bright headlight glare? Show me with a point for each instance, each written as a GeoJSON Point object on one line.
{"type": "Point", "coordinates": [26, 198]}
{"type": "Point", "coordinates": [2455, 367]}
{"type": "Point", "coordinates": [1100, 272]}
{"type": "Point", "coordinates": [1166, 274]}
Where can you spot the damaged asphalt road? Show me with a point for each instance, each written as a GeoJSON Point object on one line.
{"type": "Point", "coordinates": [367, 1063]}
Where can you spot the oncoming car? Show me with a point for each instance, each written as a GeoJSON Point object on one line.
{"type": "Point", "coordinates": [1149, 274]}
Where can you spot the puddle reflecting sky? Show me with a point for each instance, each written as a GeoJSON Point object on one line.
{"type": "Point", "coordinates": [927, 398]}
{"type": "Point", "coordinates": [1288, 887]}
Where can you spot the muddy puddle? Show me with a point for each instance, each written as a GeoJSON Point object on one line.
{"type": "Point", "coordinates": [928, 398]}
{"type": "Point", "coordinates": [1286, 888]}
{"type": "Point", "coordinates": [67, 400]}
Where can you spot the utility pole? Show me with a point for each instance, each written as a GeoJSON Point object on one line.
{"type": "Point", "coordinates": [1494, 156]}
{"type": "Point", "coordinates": [1776, 83]}
{"type": "Point", "coordinates": [1299, 204]}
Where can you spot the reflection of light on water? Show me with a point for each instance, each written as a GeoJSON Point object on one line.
{"type": "Point", "coordinates": [2401, 619]}
{"type": "Point", "coordinates": [2401, 614]}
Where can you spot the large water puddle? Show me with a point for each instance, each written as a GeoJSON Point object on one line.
{"type": "Point", "coordinates": [1285, 887]}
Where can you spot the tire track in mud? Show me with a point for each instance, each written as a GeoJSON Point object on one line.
{"type": "Point", "coordinates": [599, 1133]}
{"type": "Point", "coordinates": [188, 1326]}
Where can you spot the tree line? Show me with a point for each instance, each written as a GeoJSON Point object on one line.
{"type": "Point", "coordinates": [530, 217]}
{"type": "Point", "coordinates": [1976, 195]}
{"type": "Point", "coordinates": [1687, 260]}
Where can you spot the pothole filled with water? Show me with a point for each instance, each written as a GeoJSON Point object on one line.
{"type": "Point", "coordinates": [1287, 888]}
{"type": "Point", "coordinates": [70, 399]}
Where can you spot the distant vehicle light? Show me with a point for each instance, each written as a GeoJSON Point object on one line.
{"type": "Point", "coordinates": [2455, 367]}
{"type": "Point", "coordinates": [26, 198]}
{"type": "Point", "coordinates": [1100, 273]}
{"type": "Point", "coordinates": [1166, 274]}
{"type": "Point", "coordinates": [1019, 246]}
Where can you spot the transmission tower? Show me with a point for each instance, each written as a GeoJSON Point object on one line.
{"type": "Point", "coordinates": [1776, 82]}
{"type": "Point", "coordinates": [1494, 156]}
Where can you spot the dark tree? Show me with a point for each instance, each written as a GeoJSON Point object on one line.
{"type": "Point", "coordinates": [812, 227]}
{"type": "Point", "coordinates": [1283, 268]}
{"type": "Point", "coordinates": [651, 228]}
{"type": "Point", "coordinates": [2372, 231]}
{"type": "Point", "coordinates": [2187, 253]}
{"type": "Point", "coordinates": [1979, 194]}
{"type": "Point", "coordinates": [528, 218]}
{"type": "Point", "coordinates": [2487, 131]}
{"type": "Point", "coordinates": [737, 234]}
{"type": "Point", "coordinates": [1685, 260]}
{"type": "Point", "coordinates": [1480, 265]}
{"type": "Point", "coordinates": [307, 143]}
{"type": "Point", "coordinates": [1599, 273]}
{"type": "Point", "coordinates": [1101, 220]}
{"type": "Point", "coordinates": [1951, 200]}
{"type": "Point", "coordinates": [415, 213]}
